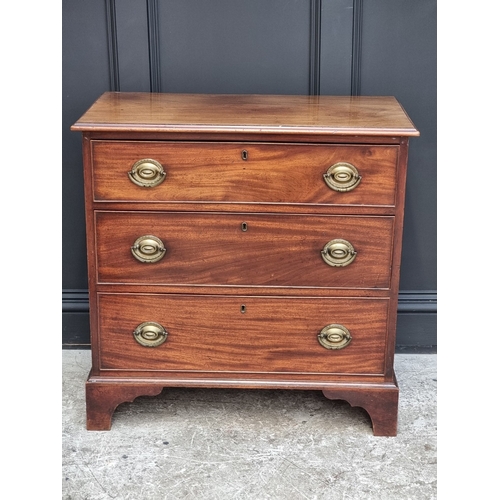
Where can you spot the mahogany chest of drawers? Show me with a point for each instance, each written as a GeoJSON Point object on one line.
{"type": "Point", "coordinates": [244, 241]}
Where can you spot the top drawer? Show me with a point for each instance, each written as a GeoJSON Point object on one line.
{"type": "Point", "coordinates": [244, 173]}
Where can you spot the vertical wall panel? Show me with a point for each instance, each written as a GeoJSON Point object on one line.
{"type": "Point", "coordinates": [398, 57]}
{"type": "Point", "coordinates": [315, 47]}
{"type": "Point", "coordinates": [85, 76]}
{"type": "Point", "coordinates": [235, 46]}
{"type": "Point", "coordinates": [133, 50]}
{"type": "Point", "coordinates": [336, 45]}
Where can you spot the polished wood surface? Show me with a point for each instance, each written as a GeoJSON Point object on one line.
{"type": "Point", "coordinates": [272, 173]}
{"type": "Point", "coordinates": [199, 113]}
{"type": "Point", "coordinates": [273, 335]}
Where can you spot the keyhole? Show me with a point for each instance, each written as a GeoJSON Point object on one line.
{"type": "Point", "coordinates": [243, 309]}
{"type": "Point", "coordinates": [244, 226]}
{"type": "Point", "coordinates": [244, 154]}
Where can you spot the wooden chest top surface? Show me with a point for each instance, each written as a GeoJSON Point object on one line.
{"type": "Point", "coordinates": [231, 113]}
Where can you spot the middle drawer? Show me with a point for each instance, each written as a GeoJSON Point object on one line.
{"type": "Point", "coordinates": [213, 249]}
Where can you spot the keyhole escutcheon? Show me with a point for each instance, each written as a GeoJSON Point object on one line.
{"type": "Point", "coordinates": [244, 154]}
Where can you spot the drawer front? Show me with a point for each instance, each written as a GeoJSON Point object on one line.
{"type": "Point", "coordinates": [243, 173]}
{"type": "Point", "coordinates": [243, 249]}
{"type": "Point", "coordinates": [212, 334]}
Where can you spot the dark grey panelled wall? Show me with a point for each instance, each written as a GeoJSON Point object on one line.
{"type": "Point", "coordinates": [335, 47]}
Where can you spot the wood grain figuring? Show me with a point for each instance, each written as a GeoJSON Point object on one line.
{"type": "Point", "coordinates": [198, 113]}
{"type": "Point", "coordinates": [212, 249]}
{"type": "Point", "coordinates": [211, 334]}
{"type": "Point", "coordinates": [216, 172]}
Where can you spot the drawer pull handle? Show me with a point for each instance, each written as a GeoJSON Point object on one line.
{"type": "Point", "coordinates": [147, 173]}
{"type": "Point", "coordinates": [338, 253]}
{"type": "Point", "coordinates": [334, 336]}
{"type": "Point", "coordinates": [342, 177]}
{"type": "Point", "coordinates": [148, 248]}
{"type": "Point", "coordinates": [150, 334]}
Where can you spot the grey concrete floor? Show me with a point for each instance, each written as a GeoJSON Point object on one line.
{"type": "Point", "coordinates": [197, 444]}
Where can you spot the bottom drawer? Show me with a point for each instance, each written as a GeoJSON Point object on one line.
{"type": "Point", "coordinates": [242, 334]}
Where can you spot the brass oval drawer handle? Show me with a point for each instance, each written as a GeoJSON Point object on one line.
{"type": "Point", "coordinates": [338, 253]}
{"type": "Point", "coordinates": [147, 173]}
{"type": "Point", "coordinates": [150, 334]}
{"type": "Point", "coordinates": [342, 177]}
{"type": "Point", "coordinates": [334, 336]}
{"type": "Point", "coordinates": [148, 248]}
